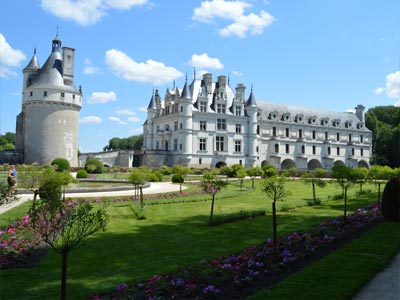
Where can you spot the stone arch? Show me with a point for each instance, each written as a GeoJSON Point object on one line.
{"type": "Point", "coordinates": [220, 164]}
{"type": "Point", "coordinates": [264, 163]}
{"type": "Point", "coordinates": [287, 164]}
{"type": "Point", "coordinates": [363, 164]}
{"type": "Point", "coordinates": [314, 164]}
{"type": "Point", "coordinates": [339, 163]}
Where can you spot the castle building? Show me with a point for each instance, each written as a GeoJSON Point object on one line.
{"type": "Point", "coordinates": [48, 125]}
{"type": "Point", "coordinates": [208, 124]}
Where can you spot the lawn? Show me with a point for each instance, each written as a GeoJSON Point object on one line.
{"type": "Point", "coordinates": [172, 235]}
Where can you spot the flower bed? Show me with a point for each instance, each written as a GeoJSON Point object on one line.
{"type": "Point", "coordinates": [17, 242]}
{"type": "Point", "coordinates": [223, 277]}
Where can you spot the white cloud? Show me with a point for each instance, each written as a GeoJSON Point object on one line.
{"type": "Point", "coordinates": [143, 108]}
{"type": "Point", "coordinates": [136, 131]}
{"type": "Point", "coordinates": [379, 90]}
{"type": "Point", "coordinates": [90, 120]}
{"type": "Point", "coordinates": [126, 112]}
{"type": "Point", "coordinates": [101, 97]}
{"type": "Point", "coordinates": [133, 119]}
{"type": "Point", "coordinates": [89, 70]}
{"type": "Point", "coordinates": [204, 61]}
{"type": "Point", "coordinates": [233, 11]}
{"type": "Point", "coordinates": [9, 58]}
{"type": "Point", "coordinates": [150, 71]}
{"type": "Point", "coordinates": [397, 103]}
{"type": "Point", "coordinates": [86, 12]}
{"type": "Point", "coordinates": [351, 111]}
{"type": "Point", "coordinates": [237, 73]}
{"type": "Point", "coordinates": [393, 85]}
{"type": "Point", "coordinates": [117, 120]}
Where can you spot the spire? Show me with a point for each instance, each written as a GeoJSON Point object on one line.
{"type": "Point", "coordinates": [56, 43]}
{"type": "Point", "coordinates": [194, 73]}
{"type": "Point", "coordinates": [33, 64]}
{"type": "Point", "coordinates": [152, 104]}
{"type": "Point", "coordinates": [186, 91]}
{"type": "Point", "coordinates": [252, 100]}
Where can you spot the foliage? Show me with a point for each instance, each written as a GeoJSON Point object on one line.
{"type": "Point", "coordinates": [254, 172]}
{"type": "Point", "coordinates": [94, 165]}
{"type": "Point", "coordinates": [240, 174]}
{"type": "Point", "coordinates": [345, 179]}
{"type": "Point", "coordinates": [5, 196]}
{"type": "Point", "coordinates": [360, 176]}
{"type": "Point", "coordinates": [82, 174]}
{"type": "Point", "coordinates": [165, 170]}
{"type": "Point", "coordinates": [391, 200]}
{"type": "Point", "coordinates": [315, 177]}
{"type": "Point", "coordinates": [212, 185]}
{"type": "Point", "coordinates": [269, 171]}
{"type": "Point", "coordinates": [379, 175]}
{"type": "Point", "coordinates": [64, 227]}
{"type": "Point", "coordinates": [61, 164]}
{"type": "Point", "coordinates": [134, 142]}
{"type": "Point", "coordinates": [384, 121]}
{"type": "Point", "coordinates": [7, 141]}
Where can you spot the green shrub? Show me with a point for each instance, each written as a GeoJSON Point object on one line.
{"type": "Point", "coordinates": [177, 178]}
{"type": "Point", "coordinates": [61, 164]}
{"type": "Point", "coordinates": [232, 217]}
{"type": "Point", "coordinates": [166, 170]}
{"type": "Point", "coordinates": [51, 191]}
{"type": "Point", "coordinates": [94, 165]}
{"type": "Point", "coordinates": [391, 200]}
{"type": "Point", "coordinates": [269, 171]}
{"type": "Point", "coordinates": [81, 174]}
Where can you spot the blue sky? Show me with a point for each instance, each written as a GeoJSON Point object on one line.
{"type": "Point", "coordinates": [330, 54]}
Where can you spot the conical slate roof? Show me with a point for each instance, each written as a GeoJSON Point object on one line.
{"type": "Point", "coordinates": [186, 94]}
{"type": "Point", "coordinates": [152, 104]}
{"type": "Point", "coordinates": [33, 64]}
{"type": "Point", "coordinates": [252, 100]}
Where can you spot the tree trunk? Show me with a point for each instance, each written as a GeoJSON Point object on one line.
{"type": "Point", "coordinates": [379, 196]}
{"type": "Point", "coordinates": [212, 209]}
{"type": "Point", "coordinates": [64, 255]}
{"type": "Point", "coordinates": [252, 183]}
{"type": "Point", "coordinates": [180, 187]}
{"type": "Point", "coordinates": [345, 204]}
{"type": "Point", "coordinates": [274, 223]}
{"type": "Point", "coordinates": [141, 197]}
{"type": "Point", "coordinates": [313, 192]}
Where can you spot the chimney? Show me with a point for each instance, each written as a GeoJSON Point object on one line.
{"type": "Point", "coordinates": [68, 65]}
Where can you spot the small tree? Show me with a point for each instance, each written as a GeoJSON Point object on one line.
{"type": "Point", "coordinates": [212, 185]}
{"type": "Point", "coordinates": [360, 176]}
{"type": "Point", "coordinates": [379, 175]}
{"type": "Point", "coordinates": [269, 171]}
{"type": "Point", "coordinates": [315, 178]}
{"type": "Point", "coordinates": [240, 174]}
{"type": "Point", "coordinates": [254, 172]}
{"type": "Point", "coordinates": [138, 178]}
{"type": "Point", "coordinates": [64, 226]}
{"type": "Point", "coordinates": [345, 179]}
{"type": "Point", "coordinates": [181, 172]}
{"type": "Point", "coordinates": [61, 164]}
{"type": "Point", "coordinates": [275, 189]}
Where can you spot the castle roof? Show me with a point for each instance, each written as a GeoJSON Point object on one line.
{"type": "Point", "coordinates": [33, 63]}
{"type": "Point", "coordinates": [252, 100]}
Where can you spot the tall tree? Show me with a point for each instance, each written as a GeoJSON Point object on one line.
{"type": "Point", "coordinates": [315, 177]}
{"type": "Point", "coordinates": [345, 179]}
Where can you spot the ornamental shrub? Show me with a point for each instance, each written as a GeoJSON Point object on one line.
{"type": "Point", "coordinates": [391, 200]}
{"type": "Point", "coordinates": [94, 165]}
{"type": "Point", "coordinates": [51, 191]}
{"type": "Point", "coordinates": [81, 174]}
{"type": "Point", "coordinates": [61, 164]}
{"type": "Point", "coordinates": [177, 178]}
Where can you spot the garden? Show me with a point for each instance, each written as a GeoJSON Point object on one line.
{"type": "Point", "coordinates": [172, 252]}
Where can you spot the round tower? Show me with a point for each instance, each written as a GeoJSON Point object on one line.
{"type": "Point", "coordinates": [251, 109]}
{"type": "Point", "coordinates": [186, 119]}
{"type": "Point", "coordinates": [49, 120]}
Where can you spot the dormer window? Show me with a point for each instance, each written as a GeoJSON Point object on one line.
{"type": "Point", "coordinates": [221, 108]}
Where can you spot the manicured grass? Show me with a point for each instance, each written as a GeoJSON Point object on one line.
{"type": "Point", "coordinates": [341, 274]}
{"type": "Point", "coordinates": [131, 250]}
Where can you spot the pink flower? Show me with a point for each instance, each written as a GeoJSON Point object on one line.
{"type": "Point", "coordinates": [11, 230]}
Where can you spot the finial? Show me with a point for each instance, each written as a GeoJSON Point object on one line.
{"type": "Point", "coordinates": [34, 50]}
{"type": "Point", "coordinates": [194, 73]}
{"type": "Point", "coordinates": [173, 87]}
{"type": "Point", "coordinates": [57, 31]}
{"type": "Point", "coordinates": [186, 77]}
{"type": "Point", "coordinates": [229, 79]}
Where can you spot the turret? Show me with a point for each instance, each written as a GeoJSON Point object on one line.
{"type": "Point", "coordinates": [251, 110]}
{"type": "Point", "coordinates": [360, 112]}
{"type": "Point", "coordinates": [185, 118]}
{"type": "Point", "coordinates": [30, 71]}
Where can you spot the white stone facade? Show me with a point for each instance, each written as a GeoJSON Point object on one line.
{"type": "Point", "coordinates": [206, 124]}
{"type": "Point", "coordinates": [48, 125]}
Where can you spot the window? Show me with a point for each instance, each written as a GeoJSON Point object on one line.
{"type": "Point", "coordinates": [326, 135]}
{"type": "Point", "coordinates": [287, 132]}
{"type": "Point", "coordinates": [180, 146]}
{"type": "Point", "coordinates": [361, 152]}
{"type": "Point", "coordinates": [338, 136]}
{"type": "Point", "coordinates": [45, 94]}
{"type": "Point", "coordinates": [300, 133]}
{"type": "Point", "coordinates": [257, 149]}
{"type": "Point", "coordinates": [180, 126]}
{"type": "Point", "coordinates": [240, 162]}
{"type": "Point", "coordinates": [181, 108]}
{"type": "Point", "coordinates": [157, 145]}
{"type": "Point", "coordinates": [273, 131]}
{"type": "Point", "coordinates": [258, 129]}
{"type": "Point", "coordinates": [238, 128]}
{"type": "Point", "coordinates": [167, 127]}
{"type": "Point", "coordinates": [303, 149]}
{"type": "Point", "coordinates": [352, 151]}
{"type": "Point", "coordinates": [200, 161]}
{"type": "Point", "coordinates": [203, 106]}
{"type": "Point", "coordinates": [238, 146]}
{"type": "Point", "coordinates": [313, 134]}
{"type": "Point", "coordinates": [361, 139]}
{"type": "Point", "coordinates": [349, 137]}
{"type": "Point", "coordinates": [203, 125]}
{"type": "Point", "coordinates": [221, 124]}
{"type": "Point", "coordinates": [287, 148]}
{"type": "Point", "coordinates": [238, 110]}
{"type": "Point", "coordinates": [329, 150]}
{"type": "Point", "coordinates": [337, 151]}
{"type": "Point", "coordinates": [313, 149]}
{"type": "Point", "coordinates": [176, 125]}
{"type": "Point", "coordinates": [221, 108]}
{"type": "Point", "coordinates": [31, 93]}
{"type": "Point", "coordinates": [158, 128]}
{"type": "Point", "coordinates": [219, 146]}
{"type": "Point", "coordinates": [73, 97]}
{"type": "Point", "coordinates": [175, 144]}
{"type": "Point", "coordinates": [202, 144]}
{"type": "Point", "coordinates": [276, 148]}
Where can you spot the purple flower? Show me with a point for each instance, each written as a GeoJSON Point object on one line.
{"type": "Point", "coordinates": [211, 289]}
